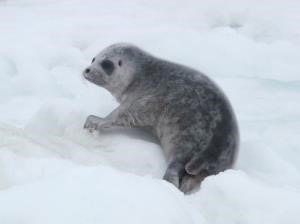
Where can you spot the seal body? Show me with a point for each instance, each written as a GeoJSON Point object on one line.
{"type": "Point", "coordinates": [183, 108]}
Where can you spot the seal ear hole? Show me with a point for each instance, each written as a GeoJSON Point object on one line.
{"type": "Point", "coordinates": [107, 66]}
{"type": "Point", "coordinates": [93, 60]}
{"type": "Point", "coordinates": [120, 63]}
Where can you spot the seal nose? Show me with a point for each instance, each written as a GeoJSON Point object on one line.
{"type": "Point", "coordinates": [87, 70]}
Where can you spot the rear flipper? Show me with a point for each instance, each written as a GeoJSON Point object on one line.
{"type": "Point", "coordinates": [191, 183]}
{"type": "Point", "coordinates": [195, 172]}
{"type": "Point", "coordinates": [174, 173]}
{"type": "Point", "coordinates": [187, 183]}
{"type": "Point", "coordinates": [187, 176]}
{"type": "Point", "coordinates": [197, 164]}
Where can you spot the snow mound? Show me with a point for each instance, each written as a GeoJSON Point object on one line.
{"type": "Point", "coordinates": [111, 197]}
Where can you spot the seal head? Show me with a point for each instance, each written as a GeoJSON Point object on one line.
{"type": "Point", "coordinates": [114, 68]}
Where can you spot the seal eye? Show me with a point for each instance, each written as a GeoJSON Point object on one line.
{"type": "Point", "coordinates": [93, 60]}
{"type": "Point", "coordinates": [107, 66]}
{"type": "Point", "coordinates": [120, 63]}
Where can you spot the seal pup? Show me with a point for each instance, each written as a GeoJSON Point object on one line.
{"type": "Point", "coordinates": [187, 112]}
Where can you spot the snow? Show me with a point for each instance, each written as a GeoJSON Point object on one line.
{"type": "Point", "coordinates": [53, 171]}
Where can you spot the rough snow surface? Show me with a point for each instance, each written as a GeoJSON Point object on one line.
{"type": "Point", "coordinates": [52, 171]}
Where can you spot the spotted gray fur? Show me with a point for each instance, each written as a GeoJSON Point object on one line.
{"type": "Point", "coordinates": [183, 108]}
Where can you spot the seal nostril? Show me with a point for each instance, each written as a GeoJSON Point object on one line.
{"type": "Point", "coordinates": [87, 70]}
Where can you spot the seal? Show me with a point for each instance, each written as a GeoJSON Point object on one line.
{"type": "Point", "coordinates": [184, 109]}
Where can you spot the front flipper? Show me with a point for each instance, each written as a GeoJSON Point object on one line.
{"type": "Point", "coordinates": [119, 117]}
{"type": "Point", "coordinates": [94, 123]}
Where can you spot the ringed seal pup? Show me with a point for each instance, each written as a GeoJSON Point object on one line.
{"type": "Point", "coordinates": [183, 108]}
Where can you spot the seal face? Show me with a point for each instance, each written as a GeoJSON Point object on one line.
{"type": "Point", "coordinates": [113, 69]}
{"type": "Point", "coordinates": [183, 108]}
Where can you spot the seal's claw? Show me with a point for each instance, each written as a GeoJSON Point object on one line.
{"type": "Point", "coordinates": [92, 123]}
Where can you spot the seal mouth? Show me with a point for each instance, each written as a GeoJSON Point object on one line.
{"type": "Point", "coordinates": [94, 78]}
{"type": "Point", "coordinates": [86, 76]}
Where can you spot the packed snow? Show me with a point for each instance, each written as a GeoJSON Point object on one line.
{"type": "Point", "coordinates": [54, 172]}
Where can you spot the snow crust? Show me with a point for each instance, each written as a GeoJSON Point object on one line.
{"type": "Point", "coordinates": [53, 171]}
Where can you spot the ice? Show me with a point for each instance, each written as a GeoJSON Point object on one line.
{"type": "Point", "coordinates": [53, 171]}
